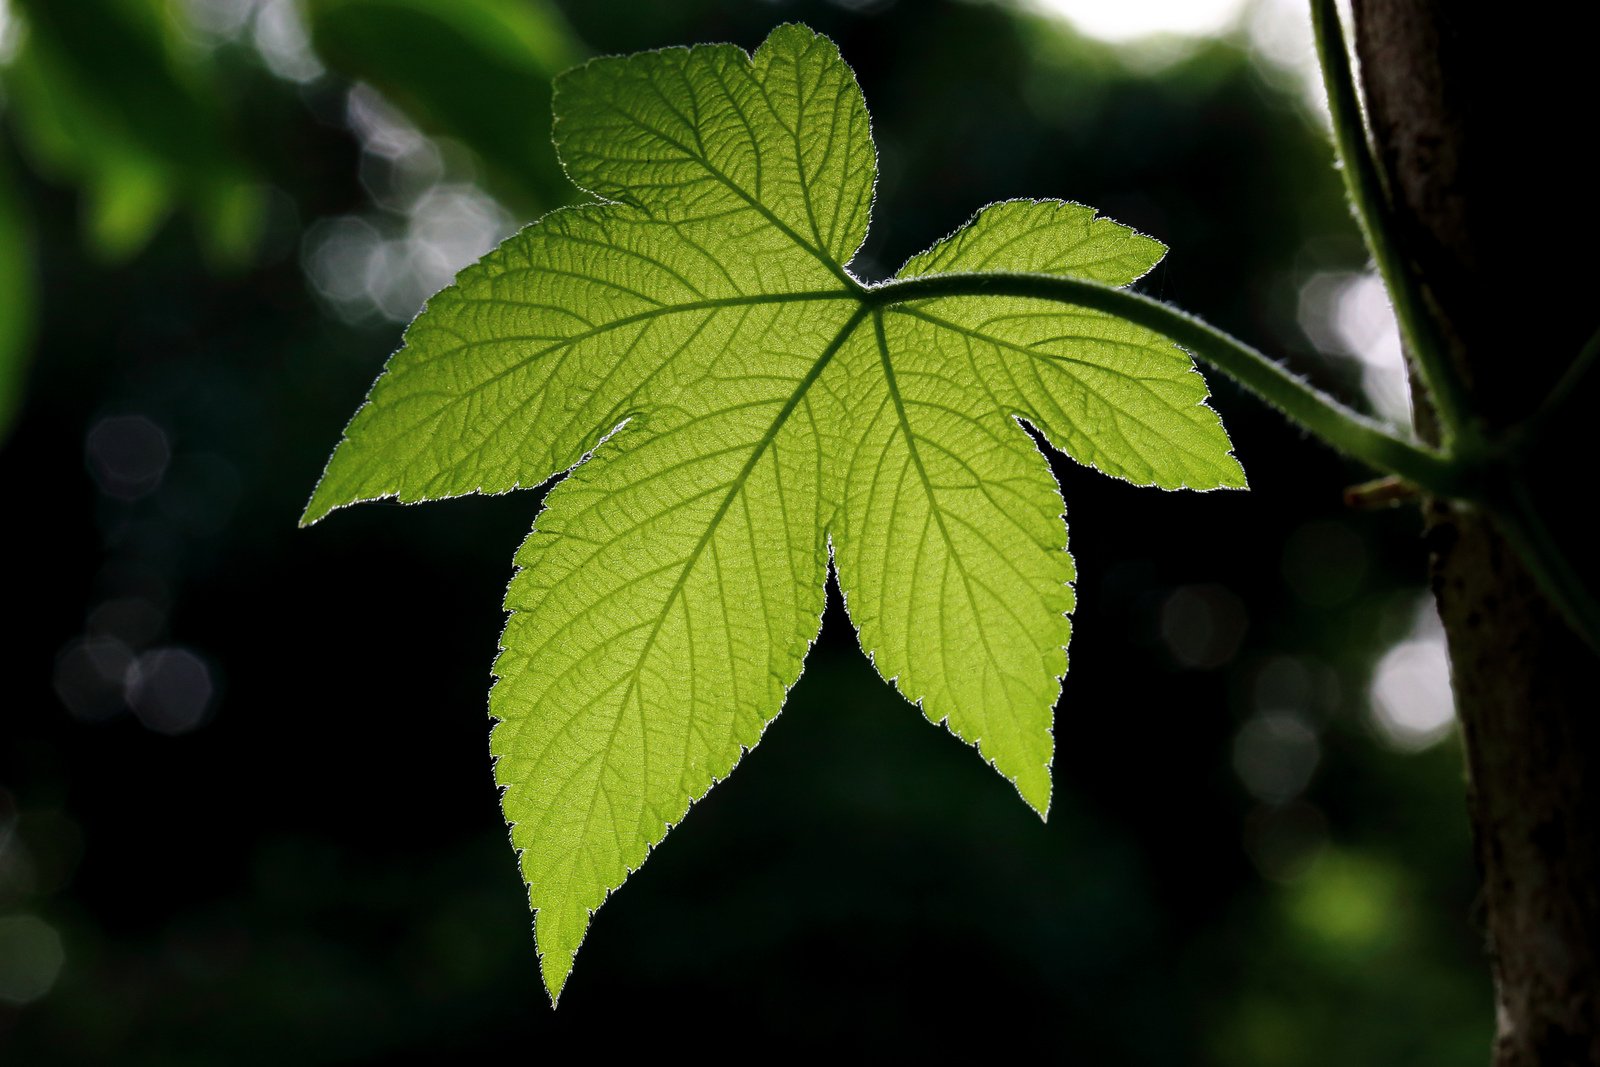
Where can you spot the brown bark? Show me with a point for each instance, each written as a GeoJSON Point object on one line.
{"type": "Point", "coordinates": [1502, 230]}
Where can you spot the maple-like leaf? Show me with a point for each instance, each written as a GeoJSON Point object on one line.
{"type": "Point", "coordinates": [730, 402]}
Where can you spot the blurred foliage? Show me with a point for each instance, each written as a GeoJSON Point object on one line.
{"type": "Point", "coordinates": [476, 72]}
{"type": "Point", "coordinates": [103, 95]}
{"type": "Point", "coordinates": [16, 298]}
{"type": "Point", "coordinates": [314, 869]}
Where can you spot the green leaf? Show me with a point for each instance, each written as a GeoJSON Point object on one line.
{"type": "Point", "coordinates": [17, 293]}
{"type": "Point", "coordinates": [731, 403]}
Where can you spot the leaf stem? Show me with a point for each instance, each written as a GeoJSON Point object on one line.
{"type": "Point", "coordinates": [1345, 429]}
{"type": "Point", "coordinates": [1524, 527]}
{"type": "Point", "coordinates": [1556, 404]}
{"type": "Point", "coordinates": [1516, 514]}
{"type": "Point", "coordinates": [1375, 215]}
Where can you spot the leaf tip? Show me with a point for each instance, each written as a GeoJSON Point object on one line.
{"type": "Point", "coordinates": [554, 968]}
{"type": "Point", "coordinates": [320, 506]}
{"type": "Point", "coordinates": [1040, 804]}
{"type": "Point", "coordinates": [797, 32]}
{"type": "Point", "coordinates": [1035, 792]}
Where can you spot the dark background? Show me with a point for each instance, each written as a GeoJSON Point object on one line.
{"type": "Point", "coordinates": [246, 812]}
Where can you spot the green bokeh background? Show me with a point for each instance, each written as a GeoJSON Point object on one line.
{"type": "Point", "coordinates": [316, 870]}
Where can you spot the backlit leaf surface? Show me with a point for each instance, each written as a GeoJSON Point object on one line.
{"type": "Point", "coordinates": [731, 403]}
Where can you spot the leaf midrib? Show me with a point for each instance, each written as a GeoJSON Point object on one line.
{"type": "Point", "coordinates": [871, 299]}
{"type": "Point", "coordinates": [734, 489]}
{"type": "Point", "coordinates": [711, 169]}
{"type": "Point", "coordinates": [927, 489]}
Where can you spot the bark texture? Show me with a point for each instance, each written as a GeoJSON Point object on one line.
{"type": "Point", "coordinates": [1500, 218]}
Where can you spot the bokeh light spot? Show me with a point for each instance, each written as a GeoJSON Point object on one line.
{"type": "Point", "coordinates": [90, 677]}
{"type": "Point", "coordinates": [1284, 53]}
{"type": "Point", "coordinates": [1129, 20]}
{"type": "Point", "coordinates": [1348, 902]}
{"type": "Point", "coordinates": [382, 129]}
{"type": "Point", "coordinates": [1202, 625]}
{"type": "Point", "coordinates": [219, 20]}
{"type": "Point", "coordinates": [1412, 703]}
{"type": "Point", "coordinates": [17, 872]}
{"type": "Point", "coordinates": [1349, 314]}
{"type": "Point", "coordinates": [1284, 841]}
{"type": "Point", "coordinates": [170, 690]}
{"type": "Point", "coordinates": [30, 958]}
{"type": "Point", "coordinates": [1275, 755]}
{"type": "Point", "coordinates": [285, 46]}
{"type": "Point", "coordinates": [11, 33]}
{"type": "Point", "coordinates": [127, 454]}
{"type": "Point", "coordinates": [384, 264]}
